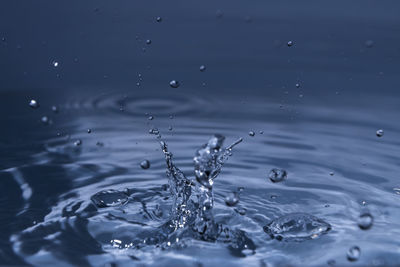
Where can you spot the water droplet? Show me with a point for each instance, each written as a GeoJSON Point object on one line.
{"type": "Point", "coordinates": [109, 198]}
{"type": "Point", "coordinates": [289, 43]}
{"type": "Point", "coordinates": [353, 254]}
{"type": "Point", "coordinates": [145, 164]}
{"type": "Point", "coordinates": [78, 142]}
{"type": "Point", "coordinates": [170, 128]}
{"type": "Point", "coordinates": [379, 133]}
{"type": "Point", "coordinates": [277, 175]}
{"type": "Point", "coordinates": [202, 68]}
{"type": "Point", "coordinates": [55, 64]}
{"type": "Point", "coordinates": [369, 43]}
{"type": "Point", "coordinates": [296, 227]}
{"type": "Point", "coordinates": [54, 109]}
{"type": "Point", "coordinates": [174, 84]}
{"type": "Point", "coordinates": [34, 104]}
{"type": "Point", "coordinates": [232, 199]}
{"type": "Point", "coordinates": [151, 118]}
{"type": "Point", "coordinates": [89, 131]}
{"type": "Point", "coordinates": [365, 221]}
{"type": "Point", "coordinates": [148, 41]}
{"type": "Point", "coordinates": [251, 133]}
{"type": "Point", "coordinates": [45, 120]}
{"type": "Point", "coordinates": [158, 19]}
{"type": "Point", "coordinates": [331, 173]}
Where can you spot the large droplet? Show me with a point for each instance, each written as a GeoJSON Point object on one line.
{"type": "Point", "coordinates": [379, 133]}
{"type": "Point", "coordinates": [145, 164]}
{"type": "Point", "coordinates": [109, 198]}
{"type": "Point", "coordinates": [174, 84]}
{"type": "Point", "coordinates": [365, 221]}
{"type": "Point", "coordinates": [33, 104]}
{"type": "Point", "coordinates": [353, 254]}
{"type": "Point", "coordinates": [296, 227]}
{"type": "Point", "coordinates": [202, 68]}
{"type": "Point", "coordinates": [277, 175]}
{"type": "Point", "coordinates": [232, 199]}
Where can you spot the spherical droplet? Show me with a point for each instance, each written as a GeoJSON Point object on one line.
{"type": "Point", "coordinates": [353, 253]}
{"type": "Point", "coordinates": [297, 85]}
{"type": "Point", "coordinates": [89, 131]}
{"type": "Point", "coordinates": [148, 41]}
{"type": "Point", "coordinates": [174, 84]}
{"type": "Point", "coordinates": [251, 133]}
{"type": "Point", "coordinates": [365, 221]}
{"type": "Point", "coordinates": [145, 164]}
{"type": "Point", "coordinates": [289, 43]}
{"type": "Point", "coordinates": [379, 133]}
{"type": "Point", "coordinates": [33, 104]}
{"type": "Point", "coordinates": [55, 64]}
{"type": "Point", "coordinates": [231, 199]}
{"type": "Point", "coordinates": [158, 19]}
{"type": "Point", "coordinates": [277, 175]}
{"type": "Point", "coordinates": [54, 109]}
{"type": "Point", "coordinates": [202, 68]}
{"type": "Point", "coordinates": [78, 142]}
{"type": "Point", "coordinates": [45, 120]}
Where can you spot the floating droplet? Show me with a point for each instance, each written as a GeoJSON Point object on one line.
{"type": "Point", "coordinates": [89, 131]}
{"type": "Point", "coordinates": [297, 85]}
{"type": "Point", "coordinates": [109, 198]}
{"type": "Point", "coordinates": [289, 43]}
{"type": "Point", "coordinates": [296, 227]}
{"type": "Point", "coordinates": [331, 173]}
{"type": "Point", "coordinates": [277, 175]}
{"type": "Point", "coordinates": [202, 68]}
{"type": "Point", "coordinates": [54, 109]}
{"type": "Point", "coordinates": [232, 199]}
{"type": "Point", "coordinates": [145, 164]}
{"type": "Point", "coordinates": [148, 41]}
{"type": "Point", "coordinates": [33, 104]}
{"type": "Point", "coordinates": [170, 128]}
{"type": "Point", "coordinates": [365, 221]}
{"type": "Point", "coordinates": [78, 142]}
{"type": "Point", "coordinates": [174, 84]}
{"type": "Point", "coordinates": [158, 19]}
{"type": "Point", "coordinates": [379, 133]}
{"type": "Point", "coordinates": [251, 133]}
{"type": "Point", "coordinates": [151, 118]}
{"type": "Point", "coordinates": [369, 43]}
{"type": "Point", "coordinates": [55, 64]}
{"type": "Point", "coordinates": [353, 254]}
{"type": "Point", "coordinates": [45, 120]}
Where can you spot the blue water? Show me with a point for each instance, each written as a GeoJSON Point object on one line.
{"type": "Point", "coordinates": [321, 132]}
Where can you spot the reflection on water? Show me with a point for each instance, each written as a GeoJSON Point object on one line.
{"type": "Point", "coordinates": [84, 203]}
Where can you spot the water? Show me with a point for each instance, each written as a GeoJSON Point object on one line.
{"type": "Point", "coordinates": [76, 199]}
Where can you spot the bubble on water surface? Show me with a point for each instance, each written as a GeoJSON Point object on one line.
{"type": "Point", "coordinates": [232, 199]}
{"type": "Point", "coordinates": [296, 227]}
{"type": "Point", "coordinates": [202, 68]}
{"type": "Point", "coordinates": [365, 221]}
{"type": "Point", "coordinates": [277, 175]}
{"type": "Point", "coordinates": [109, 198]}
{"type": "Point", "coordinates": [33, 104]}
{"type": "Point", "coordinates": [174, 84]}
{"type": "Point", "coordinates": [379, 133]}
{"type": "Point", "coordinates": [145, 164]}
{"type": "Point", "coordinates": [353, 254]}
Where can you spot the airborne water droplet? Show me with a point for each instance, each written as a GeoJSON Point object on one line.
{"type": "Point", "coordinates": [158, 19]}
{"type": "Point", "coordinates": [148, 41]}
{"type": "Point", "coordinates": [353, 254]}
{"type": "Point", "coordinates": [289, 43]}
{"type": "Point", "coordinates": [277, 175]}
{"type": "Point", "coordinates": [202, 68]}
{"type": "Point", "coordinates": [89, 131]}
{"type": "Point", "coordinates": [55, 64]}
{"type": "Point", "coordinates": [174, 84]}
{"type": "Point", "coordinates": [232, 199]}
{"type": "Point", "coordinates": [379, 133]}
{"type": "Point", "coordinates": [365, 221]}
{"type": "Point", "coordinates": [33, 104]}
{"type": "Point", "coordinates": [145, 164]}
{"type": "Point", "coordinates": [251, 133]}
